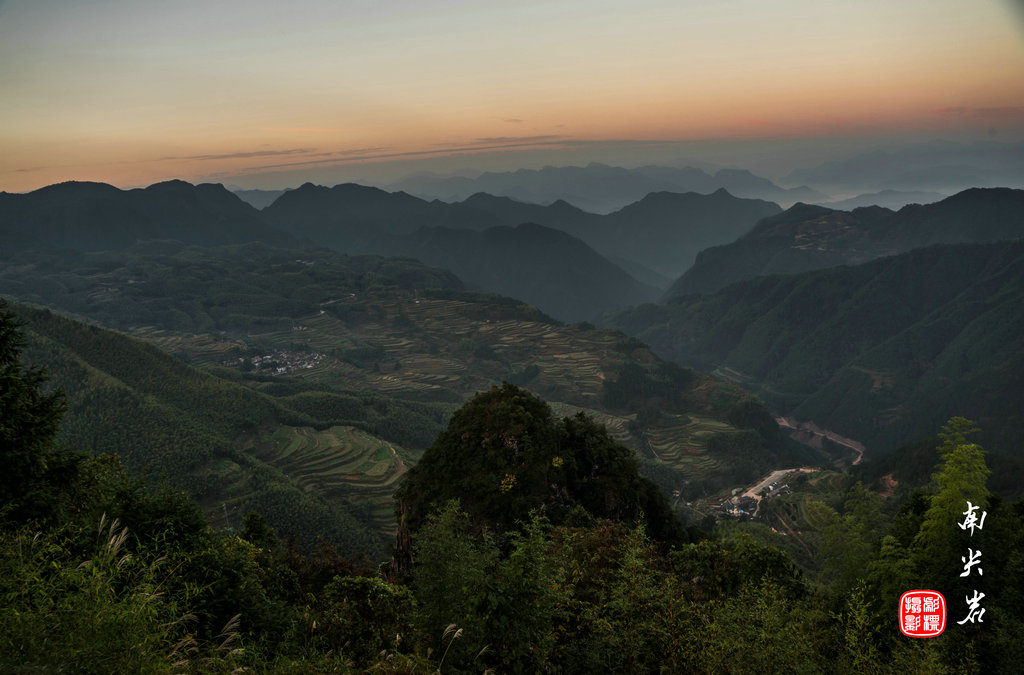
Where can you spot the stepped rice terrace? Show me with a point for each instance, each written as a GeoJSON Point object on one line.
{"type": "Point", "coordinates": [438, 348]}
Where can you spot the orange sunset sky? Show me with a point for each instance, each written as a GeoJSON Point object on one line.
{"type": "Point", "coordinates": [269, 94]}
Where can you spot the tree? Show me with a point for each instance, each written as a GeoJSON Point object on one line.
{"type": "Point", "coordinates": [504, 455]}
{"type": "Point", "coordinates": [29, 419]}
{"type": "Point", "coordinates": [960, 478]}
{"type": "Point", "coordinates": [849, 542]}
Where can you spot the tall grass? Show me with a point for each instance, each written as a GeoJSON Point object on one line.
{"type": "Point", "coordinates": [75, 605]}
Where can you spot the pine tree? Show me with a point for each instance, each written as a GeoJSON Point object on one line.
{"type": "Point", "coordinates": [29, 419]}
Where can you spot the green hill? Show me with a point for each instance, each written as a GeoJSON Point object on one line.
{"type": "Point", "coordinates": [170, 420]}
{"type": "Point", "coordinates": [542, 266]}
{"type": "Point", "coordinates": [879, 351]}
{"type": "Point", "coordinates": [806, 238]}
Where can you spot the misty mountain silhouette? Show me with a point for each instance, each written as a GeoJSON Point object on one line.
{"type": "Point", "coordinates": [890, 199]}
{"type": "Point", "coordinates": [481, 240]}
{"type": "Point", "coordinates": [600, 188]}
{"type": "Point", "coordinates": [939, 166]}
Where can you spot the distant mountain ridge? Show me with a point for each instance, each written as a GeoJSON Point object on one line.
{"type": "Point", "coordinates": [314, 210]}
{"type": "Point", "coordinates": [809, 237]}
{"type": "Point", "coordinates": [601, 188]}
{"type": "Point", "coordinates": [890, 199]}
{"type": "Point", "coordinates": [87, 217]}
{"type": "Point", "coordinates": [663, 231]}
{"type": "Point", "coordinates": [939, 166]}
{"type": "Point", "coordinates": [98, 216]}
{"type": "Point", "coordinates": [657, 237]}
{"type": "Point", "coordinates": [546, 267]}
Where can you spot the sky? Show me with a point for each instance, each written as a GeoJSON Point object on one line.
{"type": "Point", "coordinates": [269, 94]}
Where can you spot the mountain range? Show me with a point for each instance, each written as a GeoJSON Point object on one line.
{"type": "Point", "coordinates": [661, 233]}
{"type": "Point", "coordinates": [890, 199]}
{"type": "Point", "coordinates": [117, 256]}
{"type": "Point", "coordinates": [600, 188]}
{"type": "Point", "coordinates": [354, 219]}
{"type": "Point", "coordinates": [937, 166]}
{"type": "Point", "coordinates": [809, 237]}
{"type": "Point", "coordinates": [880, 352]}
{"type": "Point", "coordinates": [96, 216]}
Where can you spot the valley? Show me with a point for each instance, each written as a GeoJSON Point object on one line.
{"type": "Point", "coordinates": [298, 392]}
{"type": "Point", "coordinates": [382, 350]}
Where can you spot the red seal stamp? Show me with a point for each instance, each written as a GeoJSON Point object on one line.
{"type": "Point", "coordinates": [922, 613]}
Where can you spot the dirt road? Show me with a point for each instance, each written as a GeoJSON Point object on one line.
{"type": "Point", "coordinates": [814, 431]}
{"type": "Point", "coordinates": [754, 491]}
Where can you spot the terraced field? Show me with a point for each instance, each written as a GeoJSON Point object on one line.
{"type": "Point", "coordinates": [421, 344]}
{"type": "Point", "coordinates": [340, 461]}
{"type": "Point", "coordinates": [683, 444]}
{"type": "Point", "coordinates": [617, 425]}
{"type": "Point", "coordinates": [202, 349]}
{"type": "Point", "coordinates": [406, 344]}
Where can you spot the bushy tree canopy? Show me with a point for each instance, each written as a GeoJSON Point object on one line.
{"type": "Point", "coordinates": [504, 455]}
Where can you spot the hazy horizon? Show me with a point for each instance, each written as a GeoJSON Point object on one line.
{"type": "Point", "coordinates": [263, 95]}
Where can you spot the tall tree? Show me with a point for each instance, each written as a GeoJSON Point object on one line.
{"type": "Point", "coordinates": [959, 480]}
{"type": "Point", "coordinates": [29, 419]}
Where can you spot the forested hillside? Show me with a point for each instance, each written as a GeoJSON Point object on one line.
{"type": "Point", "coordinates": [662, 231]}
{"type": "Point", "coordinates": [249, 287]}
{"type": "Point", "coordinates": [881, 352]}
{"type": "Point", "coordinates": [806, 238]}
{"type": "Point", "coordinates": [164, 419]}
{"type": "Point", "coordinates": [539, 265]}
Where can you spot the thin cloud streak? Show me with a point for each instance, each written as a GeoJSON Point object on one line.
{"type": "Point", "coordinates": [517, 139]}
{"type": "Point", "coordinates": [238, 155]}
{"type": "Point", "coordinates": [400, 155]}
{"type": "Point", "coordinates": [336, 156]}
{"type": "Point", "coordinates": [500, 140]}
{"type": "Point", "coordinates": [526, 142]}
